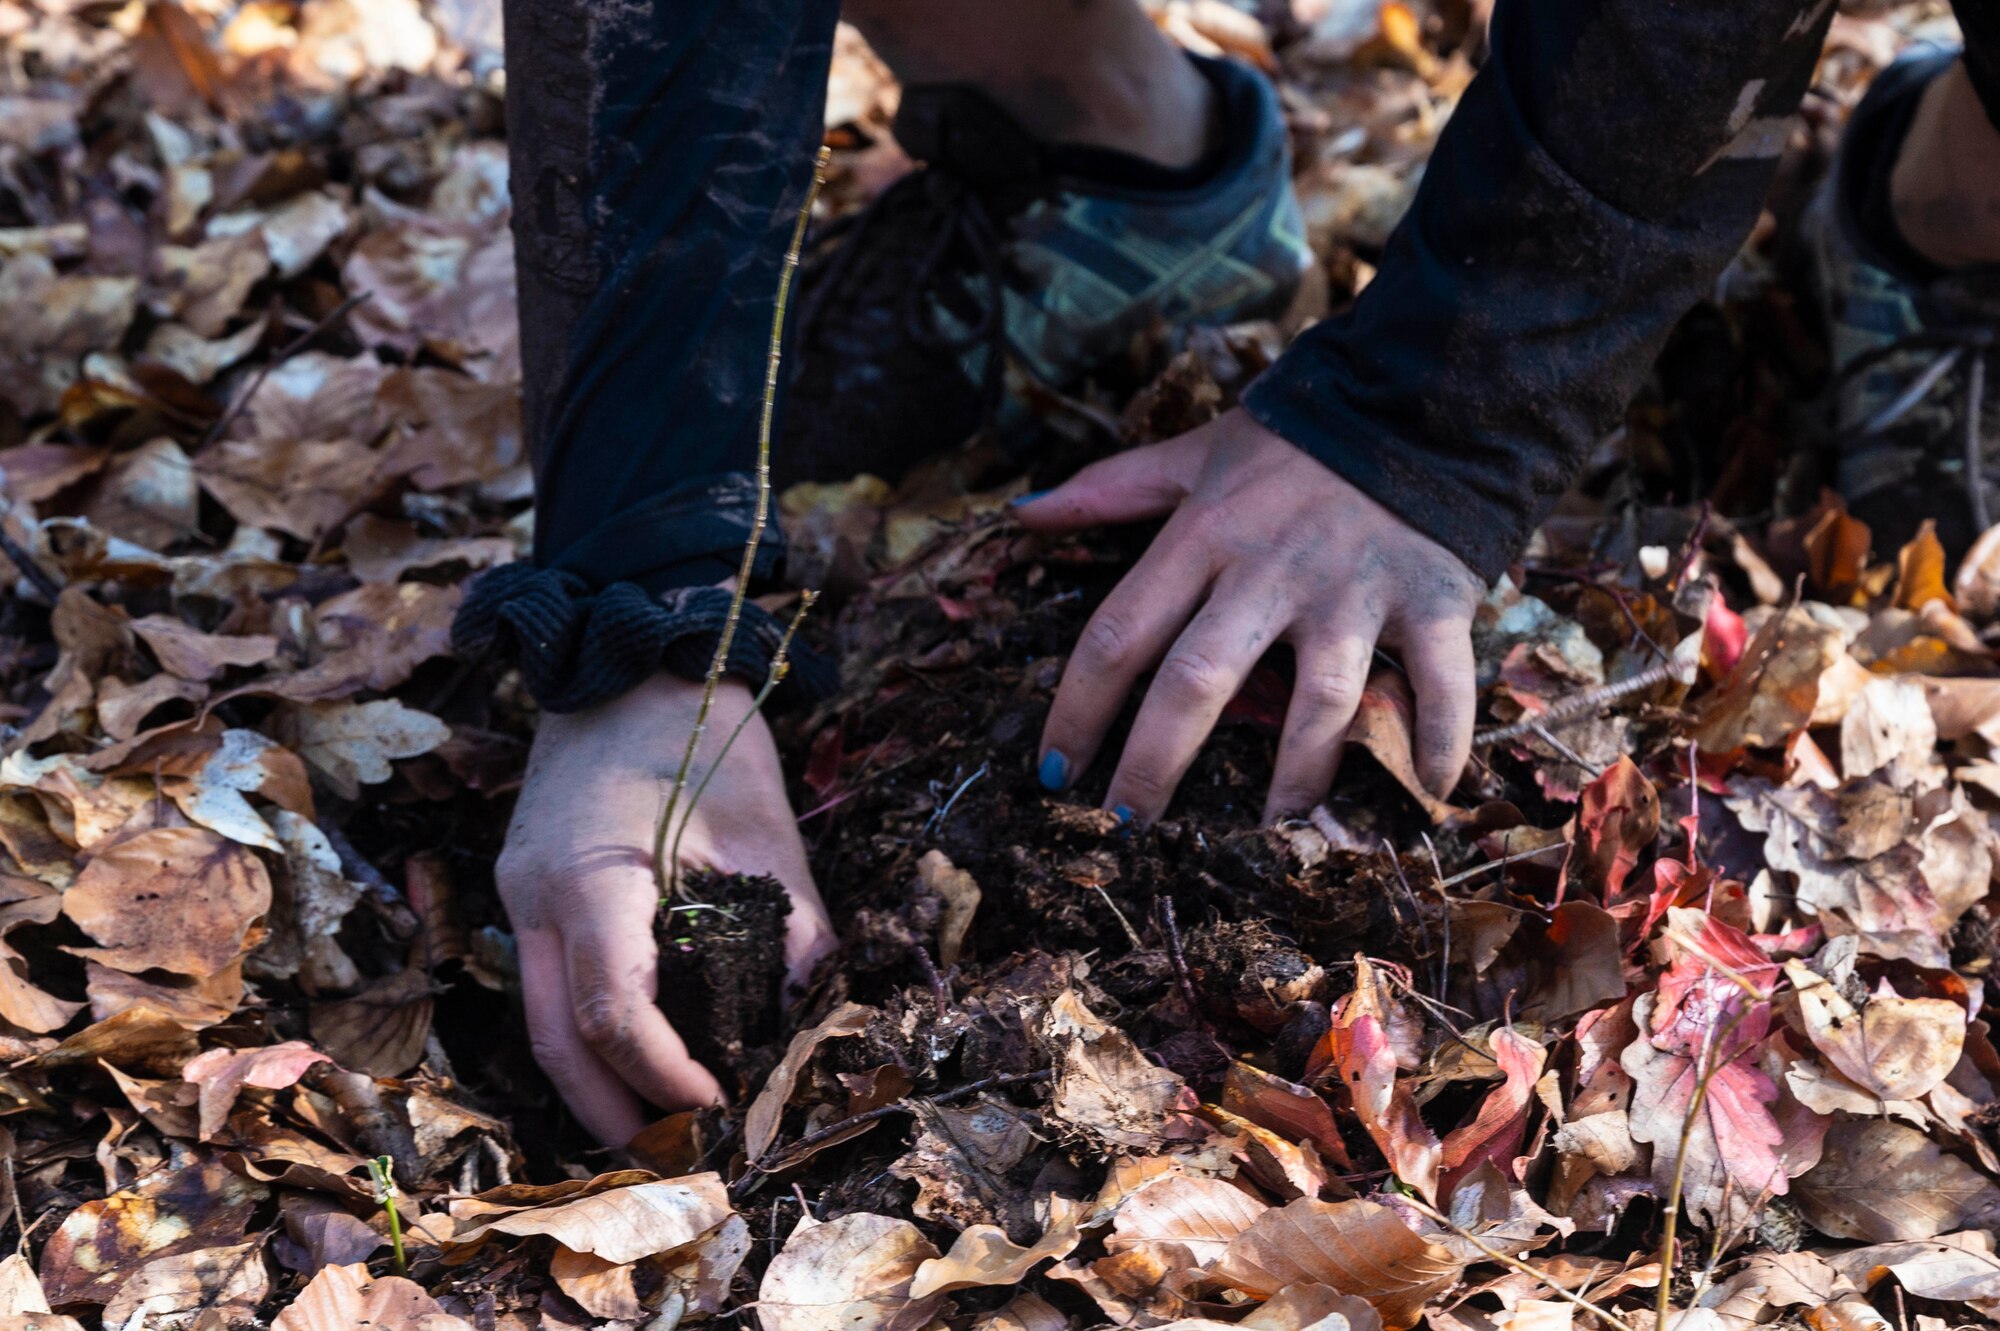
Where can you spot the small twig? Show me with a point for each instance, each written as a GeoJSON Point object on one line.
{"type": "Point", "coordinates": [781, 666]}
{"type": "Point", "coordinates": [1711, 1063]}
{"type": "Point", "coordinates": [939, 993]}
{"type": "Point", "coordinates": [17, 555]}
{"type": "Point", "coordinates": [1396, 863]}
{"type": "Point", "coordinates": [905, 1106]}
{"type": "Point", "coordinates": [1515, 1264]}
{"type": "Point", "coordinates": [1138, 943]}
{"type": "Point", "coordinates": [1170, 927]}
{"type": "Point", "coordinates": [283, 354]}
{"type": "Point", "coordinates": [666, 871]}
{"type": "Point", "coordinates": [1565, 752]}
{"type": "Point", "coordinates": [1579, 705]}
{"type": "Point", "coordinates": [944, 812]}
{"type": "Point", "coordinates": [1502, 862]}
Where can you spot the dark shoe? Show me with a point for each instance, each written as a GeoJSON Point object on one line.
{"type": "Point", "coordinates": [1001, 248]}
{"type": "Point", "coordinates": [1913, 425]}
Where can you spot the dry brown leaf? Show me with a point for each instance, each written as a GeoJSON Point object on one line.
{"type": "Point", "coordinates": [22, 1003]}
{"type": "Point", "coordinates": [147, 496]}
{"type": "Point", "coordinates": [960, 894]}
{"type": "Point", "coordinates": [193, 655]}
{"type": "Point", "coordinates": [381, 550]}
{"type": "Point", "coordinates": [621, 1224]}
{"type": "Point", "coordinates": [1357, 1247]}
{"type": "Point", "coordinates": [169, 1213]}
{"type": "Point", "coordinates": [1201, 1216]}
{"type": "Point", "coordinates": [1774, 689]}
{"type": "Point", "coordinates": [223, 1073]}
{"type": "Point", "coordinates": [341, 1298]}
{"type": "Point", "coordinates": [1105, 1088]}
{"type": "Point", "coordinates": [850, 1274]}
{"type": "Point", "coordinates": [760, 1124]}
{"type": "Point", "coordinates": [52, 321]}
{"type": "Point", "coordinates": [205, 285]}
{"type": "Point", "coordinates": [1895, 1048]}
{"type": "Point", "coordinates": [984, 1255]}
{"type": "Point", "coordinates": [1384, 724]}
{"type": "Point", "coordinates": [122, 709]}
{"type": "Point", "coordinates": [381, 1030]}
{"type": "Point", "coordinates": [373, 637]}
{"type": "Point", "coordinates": [1956, 1268]}
{"type": "Point", "coordinates": [1920, 571]}
{"type": "Point", "coordinates": [180, 899]}
{"type": "Point", "coordinates": [297, 486]}
{"type": "Point", "coordinates": [244, 763]}
{"type": "Point", "coordinates": [457, 429]}
{"type": "Point", "coordinates": [231, 1281]}
{"type": "Point", "coordinates": [20, 1289]}
{"type": "Point", "coordinates": [351, 744]}
{"type": "Point", "coordinates": [1882, 1182]}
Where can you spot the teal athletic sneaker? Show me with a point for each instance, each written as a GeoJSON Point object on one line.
{"type": "Point", "coordinates": [1913, 427]}
{"type": "Point", "coordinates": [1002, 248]}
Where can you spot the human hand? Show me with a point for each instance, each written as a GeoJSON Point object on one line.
{"type": "Point", "coordinates": [1264, 544]}
{"type": "Point", "coordinates": [577, 879]}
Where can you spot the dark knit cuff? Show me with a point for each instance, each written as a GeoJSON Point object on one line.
{"type": "Point", "coordinates": [577, 647]}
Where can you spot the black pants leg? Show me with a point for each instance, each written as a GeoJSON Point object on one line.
{"type": "Point", "coordinates": [661, 150]}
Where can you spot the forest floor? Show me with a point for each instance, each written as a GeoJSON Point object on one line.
{"type": "Point", "coordinates": [1698, 950]}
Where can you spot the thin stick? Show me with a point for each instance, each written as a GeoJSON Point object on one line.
{"type": "Point", "coordinates": [832, 1130]}
{"type": "Point", "coordinates": [1502, 862]}
{"type": "Point", "coordinates": [1515, 1264]}
{"type": "Point", "coordinates": [283, 354]}
{"type": "Point", "coordinates": [780, 667]}
{"type": "Point", "coordinates": [666, 873]}
{"type": "Point", "coordinates": [1578, 705]}
{"type": "Point", "coordinates": [1711, 1063]}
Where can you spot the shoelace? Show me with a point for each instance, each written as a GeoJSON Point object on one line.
{"type": "Point", "coordinates": [963, 219]}
{"type": "Point", "coordinates": [1968, 345]}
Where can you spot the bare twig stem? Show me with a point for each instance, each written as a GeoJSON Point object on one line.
{"type": "Point", "coordinates": [283, 354]}
{"type": "Point", "coordinates": [666, 872]}
{"type": "Point", "coordinates": [905, 1106]}
{"type": "Point", "coordinates": [1579, 705]}
{"type": "Point", "coordinates": [1515, 1264]}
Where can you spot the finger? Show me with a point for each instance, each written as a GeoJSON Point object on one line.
{"type": "Point", "coordinates": [1332, 671]}
{"type": "Point", "coordinates": [1203, 671]}
{"type": "Point", "coordinates": [601, 1102]}
{"type": "Point", "coordinates": [809, 934]}
{"type": "Point", "coordinates": [1438, 659]}
{"type": "Point", "coordinates": [1134, 486]}
{"type": "Point", "coordinates": [1129, 633]}
{"type": "Point", "coordinates": [613, 978]}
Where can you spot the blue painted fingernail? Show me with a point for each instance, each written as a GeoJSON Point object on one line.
{"type": "Point", "coordinates": [1123, 814]}
{"type": "Point", "coordinates": [1054, 771]}
{"type": "Point", "coordinates": [1027, 499]}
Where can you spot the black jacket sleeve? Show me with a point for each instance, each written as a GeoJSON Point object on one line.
{"type": "Point", "coordinates": [1595, 179]}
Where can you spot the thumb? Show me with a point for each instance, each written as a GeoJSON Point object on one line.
{"type": "Point", "coordinates": [1133, 486]}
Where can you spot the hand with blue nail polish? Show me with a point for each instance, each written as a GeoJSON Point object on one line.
{"type": "Point", "coordinates": [1263, 544]}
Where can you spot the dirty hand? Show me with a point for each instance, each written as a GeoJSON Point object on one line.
{"type": "Point", "coordinates": [577, 880]}
{"type": "Point", "coordinates": [1264, 545]}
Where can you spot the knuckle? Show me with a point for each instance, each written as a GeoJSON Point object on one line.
{"type": "Point", "coordinates": [552, 1056]}
{"type": "Point", "coordinates": [1108, 637]}
{"type": "Point", "coordinates": [1330, 690]}
{"type": "Point", "coordinates": [1194, 673]}
{"type": "Point", "coordinates": [1144, 784]}
{"type": "Point", "coordinates": [603, 1019]}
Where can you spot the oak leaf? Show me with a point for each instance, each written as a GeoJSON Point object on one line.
{"type": "Point", "coordinates": [351, 744]}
